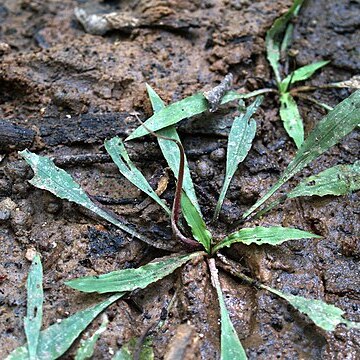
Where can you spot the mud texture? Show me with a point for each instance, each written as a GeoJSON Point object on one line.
{"type": "Point", "coordinates": [63, 92]}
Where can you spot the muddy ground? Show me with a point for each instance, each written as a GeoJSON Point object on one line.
{"type": "Point", "coordinates": [68, 91]}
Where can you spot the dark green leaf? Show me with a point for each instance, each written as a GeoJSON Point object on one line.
{"type": "Point", "coordinates": [196, 222]}
{"type": "Point", "coordinates": [131, 279]}
{"type": "Point", "coordinates": [290, 115]}
{"type": "Point", "coordinates": [323, 315]}
{"type": "Point", "coordinates": [35, 298]}
{"type": "Point", "coordinates": [172, 114]}
{"type": "Point", "coordinates": [338, 180]}
{"type": "Point", "coordinates": [303, 73]}
{"type": "Point", "coordinates": [231, 347]}
{"type": "Point", "coordinates": [260, 235]}
{"type": "Point", "coordinates": [51, 178]}
{"type": "Point", "coordinates": [120, 157]}
{"type": "Point", "coordinates": [86, 348]}
{"type": "Point", "coordinates": [275, 35]}
{"type": "Point", "coordinates": [170, 149]}
{"type": "Point", "coordinates": [56, 339]}
{"type": "Point", "coordinates": [240, 140]}
{"type": "Point", "coordinates": [330, 130]}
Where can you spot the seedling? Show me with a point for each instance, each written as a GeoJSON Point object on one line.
{"type": "Point", "coordinates": [329, 131]}
{"type": "Point", "coordinates": [278, 40]}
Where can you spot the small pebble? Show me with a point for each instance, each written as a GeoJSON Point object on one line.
{"type": "Point", "coordinates": [30, 254]}
{"type": "Point", "coordinates": [218, 154]}
{"type": "Point", "coordinates": [204, 170]}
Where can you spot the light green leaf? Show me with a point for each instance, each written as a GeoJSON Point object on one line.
{"type": "Point", "coordinates": [56, 339]}
{"type": "Point", "coordinates": [240, 139]}
{"type": "Point", "coordinates": [275, 35]}
{"type": "Point", "coordinates": [120, 157]}
{"type": "Point", "coordinates": [300, 74]}
{"type": "Point", "coordinates": [324, 315]}
{"type": "Point", "coordinates": [51, 178]}
{"type": "Point", "coordinates": [131, 279]}
{"type": "Point", "coordinates": [173, 113]}
{"type": "Point", "coordinates": [273, 235]}
{"type": "Point", "coordinates": [86, 348]}
{"type": "Point", "coordinates": [127, 351]}
{"type": "Point", "coordinates": [338, 180]}
{"type": "Point", "coordinates": [35, 298]}
{"type": "Point", "coordinates": [196, 222]}
{"type": "Point", "coordinates": [329, 131]}
{"type": "Point", "coordinates": [171, 151]}
{"type": "Point", "coordinates": [231, 347]}
{"type": "Point", "coordinates": [289, 114]}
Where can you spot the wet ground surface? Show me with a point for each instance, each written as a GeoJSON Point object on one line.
{"type": "Point", "coordinates": [67, 91]}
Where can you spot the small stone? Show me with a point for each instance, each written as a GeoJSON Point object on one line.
{"type": "Point", "coordinates": [218, 155]}
{"type": "Point", "coordinates": [30, 254]}
{"type": "Point", "coordinates": [4, 215]}
{"type": "Point", "coordinates": [204, 170]}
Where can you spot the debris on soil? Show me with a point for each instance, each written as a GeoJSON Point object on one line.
{"type": "Point", "coordinates": [162, 17]}
{"type": "Point", "coordinates": [215, 95]}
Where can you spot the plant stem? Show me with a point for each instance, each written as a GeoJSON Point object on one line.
{"type": "Point", "coordinates": [176, 208]}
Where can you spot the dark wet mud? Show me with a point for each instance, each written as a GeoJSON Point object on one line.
{"type": "Point", "coordinates": [64, 91]}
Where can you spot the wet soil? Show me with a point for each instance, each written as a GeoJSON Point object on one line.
{"type": "Point", "coordinates": [64, 92]}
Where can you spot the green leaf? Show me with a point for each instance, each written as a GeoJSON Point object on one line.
{"type": "Point", "coordinates": [51, 178]}
{"type": "Point", "coordinates": [231, 347]}
{"type": "Point", "coordinates": [273, 235]}
{"type": "Point", "coordinates": [329, 131]}
{"type": "Point", "coordinates": [35, 298]}
{"type": "Point", "coordinates": [323, 315]}
{"type": "Point", "coordinates": [172, 114]}
{"type": "Point", "coordinates": [300, 74]}
{"type": "Point", "coordinates": [120, 157]}
{"type": "Point", "coordinates": [338, 180]}
{"type": "Point", "coordinates": [196, 222]}
{"type": "Point", "coordinates": [189, 203]}
{"type": "Point", "coordinates": [241, 136]}
{"type": "Point", "coordinates": [289, 114]}
{"type": "Point", "coordinates": [131, 279]}
{"type": "Point", "coordinates": [127, 351]}
{"type": "Point", "coordinates": [171, 151]}
{"type": "Point", "coordinates": [86, 349]}
{"type": "Point", "coordinates": [56, 339]}
{"type": "Point", "coordinates": [275, 35]}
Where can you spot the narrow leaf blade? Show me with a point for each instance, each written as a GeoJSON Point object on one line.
{"type": "Point", "coordinates": [170, 149]}
{"type": "Point", "coordinates": [289, 114]}
{"type": "Point", "coordinates": [338, 180]}
{"type": "Point", "coordinates": [330, 130]}
{"type": "Point", "coordinates": [231, 347]}
{"type": "Point", "coordinates": [56, 339]}
{"type": "Point", "coordinates": [189, 203]}
{"type": "Point", "coordinates": [324, 315]}
{"type": "Point", "coordinates": [131, 279]}
{"type": "Point", "coordinates": [86, 349]}
{"type": "Point", "coordinates": [51, 178]}
{"type": "Point", "coordinates": [301, 74]}
{"type": "Point", "coordinates": [241, 136]}
{"type": "Point", "coordinates": [273, 235]}
{"type": "Point", "coordinates": [196, 222]}
{"type": "Point", "coordinates": [172, 114]}
{"type": "Point", "coordinates": [274, 37]}
{"type": "Point", "coordinates": [35, 298]}
{"type": "Point", "coordinates": [120, 157]}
